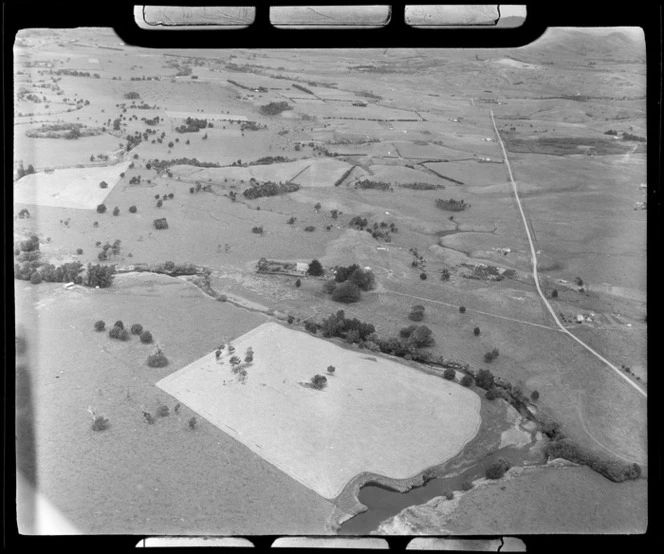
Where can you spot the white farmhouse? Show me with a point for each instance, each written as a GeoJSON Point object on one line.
{"type": "Point", "coordinates": [301, 267]}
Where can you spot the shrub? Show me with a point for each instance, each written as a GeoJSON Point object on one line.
{"type": "Point", "coordinates": [291, 221]}
{"type": "Point", "coordinates": [298, 284]}
{"type": "Point", "coordinates": [331, 369]}
{"type": "Point", "coordinates": [79, 251]}
{"type": "Point", "coordinates": [100, 325]}
{"type": "Point", "coordinates": [416, 313]}
{"type": "Point", "coordinates": [310, 228]}
{"type": "Point", "coordinates": [146, 337]}
{"type": "Point", "coordinates": [466, 485]}
{"type": "Point", "coordinates": [497, 469]}
{"type": "Point", "coordinates": [163, 411]}
{"type": "Point", "coordinates": [116, 211]}
{"type": "Point", "coordinates": [534, 396]}
{"type": "Point", "coordinates": [103, 185]}
{"type": "Point", "coordinates": [462, 309]}
{"type": "Point", "coordinates": [423, 276]}
{"type": "Point", "coordinates": [346, 292]}
{"type": "Point", "coordinates": [101, 208]}
{"type": "Point", "coordinates": [158, 359]}
{"type": "Point", "coordinates": [192, 423]}
{"type": "Point", "coordinates": [449, 374]}
{"type": "Point", "coordinates": [466, 380]}
{"type": "Point", "coordinates": [258, 230]}
{"type": "Point", "coordinates": [136, 329]}
{"type": "Point", "coordinates": [554, 293]}
{"type": "Point", "coordinates": [160, 203]}
{"type": "Point", "coordinates": [160, 223]}
{"type": "Point", "coordinates": [96, 224]}
{"type": "Point", "coordinates": [311, 327]}
{"type": "Point", "coordinates": [132, 209]}
{"type": "Point", "coordinates": [476, 331]}
{"type": "Point", "coordinates": [100, 423]}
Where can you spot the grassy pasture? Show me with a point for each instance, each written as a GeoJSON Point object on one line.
{"type": "Point", "coordinates": [68, 188]}
{"type": "Point", "coordinates": [362, 421]}
{"type": "Point", "coordinates": [135, 477]}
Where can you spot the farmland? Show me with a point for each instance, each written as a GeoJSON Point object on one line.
{"type": "Point", "coordinates": [393, 169]}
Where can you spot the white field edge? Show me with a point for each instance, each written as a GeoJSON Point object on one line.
{"type": "Point", "coordinates": [533, 257]}
{"type": "Point", "coordinates": [402, 422]}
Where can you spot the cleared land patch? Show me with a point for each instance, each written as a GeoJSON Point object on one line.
{"type": "Point", "coordinates": [375, 415]}
{"type": "Point", "coordinates": [68, 188]}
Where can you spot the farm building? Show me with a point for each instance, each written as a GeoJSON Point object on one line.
{"type": "Point", "coordinates": [301, 267]}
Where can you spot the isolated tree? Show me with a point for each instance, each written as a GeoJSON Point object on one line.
{"type": "Point", "coordinates": [331, 369]}
{"type": "Point", "coordinates": [315, 268]}
{"type": "Point", "coordinates": [421, 337]}
{"type": "Point", "coordinates": [158, 359]}
{"type": "Point", "coordinates": [146, 337]}
{"type": "Point", "coordinates": [319, 382]}
{"type": "Point", "coordinates": [101, 208]}
{"type": "Point", "coordinates": [534, 396]}
{"type": "Point", "coordinates": [160, 203]}
{"type": "Point", "coordinates": [132, 209]}
{"type": "Point", "coordinates": [416, 313]}
{"type": "Point", "coordinates": [298, 284]}
{"type": "Point", "coordinates": [423, 276]}
{"type": "Point", "coordinates": [103, 185]}
{"type": "Point", "coordinates": [466, 380]}
{"type": "Point", "coordinates": [462, 309]}
{"type": "Point", "coordinates": [291, 221]}
{"type": "Point", "coordinates": [317, 206]}
{"type": "Point", "coordinates": [136, 329]}
{"type": "Point", "coordinates": [554, 293]}
{"type": "Point", "coordinates": [116, 211]}
{"type": "Point", "coordinates": [476, 331]}
{"type": "Point", "coordinates": [449, 374]}
{"type": "Point", "coordinates": [100, 326]}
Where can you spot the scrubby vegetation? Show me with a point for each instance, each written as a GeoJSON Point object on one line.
{"type": "Point", "coordinates": [274, 108]}
{"type": "Point", "coordinates": [157, 359]}
{"type": "Point", "coordinates": [497, 469]}
{"type": "Point", "coordinates": [369, 184]}
{"type": "Point", "coordinates": [269, 188]}
{"type": "Point", "coordinates": [451, 205]}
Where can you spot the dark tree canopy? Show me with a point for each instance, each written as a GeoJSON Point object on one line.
{"type": "Point", "coordinates": [346, 292]}
{"type": "Point", "coordinates": [315, 268]}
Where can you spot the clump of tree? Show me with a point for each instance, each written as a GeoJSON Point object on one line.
{"type": "Point", "coordinates": [449, 374]}
{"type": "Point", "coordinates": [417, 336]}
{"type": "Point", "coordinates": [612, 469]}
{"type": "Point", "coordinates": [136, 329]}
{"type": "Point", "coordinates": [101, 208]}
{"type": "Point", "coordinates": [369, 184]}
{"type": "Point", "coordinates": [416, 313]}
{"type": "Point", "coordinates": [485, 379]}
{"type": "Point", "coordinates": [497, 469]}
{"type": "Point", "coordinates": [346, 292]}
{"type": "Point", "coordinates": [118, 333]}
{"type": "Point", "coordinates": [99, 276]}
{"type": "Point", "coordinates": [363, 278]}
{"type": "Point", "coordinates": [257, 230]}
{"type": "Point", "coordinates": [492, 355]}
{"type": "Point", "coordinates": [291, 221]}
{"type": "Point", "coordinates": [310, 228]}
{"type": "Point", "coordinates": [353, 330]}
{"type": "Point", "coordinates": [451, 205]}
{"type": "Point", "coordinates": [192, 125]}
{"type": "Point", "coordinates": [274, 108]}
{"type": "Point", "coordinates": [157, 359]}
{"type": "Point", "coordinates": [358, 222]}
{"type": "Point", "coordinates": [269, 188]}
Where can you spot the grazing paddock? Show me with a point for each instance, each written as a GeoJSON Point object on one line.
{"type": "Point", "coordinates": [375, 415]}
{"type": "Point", "coordinates": [68, 188]}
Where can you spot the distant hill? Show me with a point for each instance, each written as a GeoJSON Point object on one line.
{"type": "Point", "coordinates": [601, 44]}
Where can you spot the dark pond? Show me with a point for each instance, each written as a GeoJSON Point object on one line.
{"type": "Point", "coordinates": [384, 503]}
